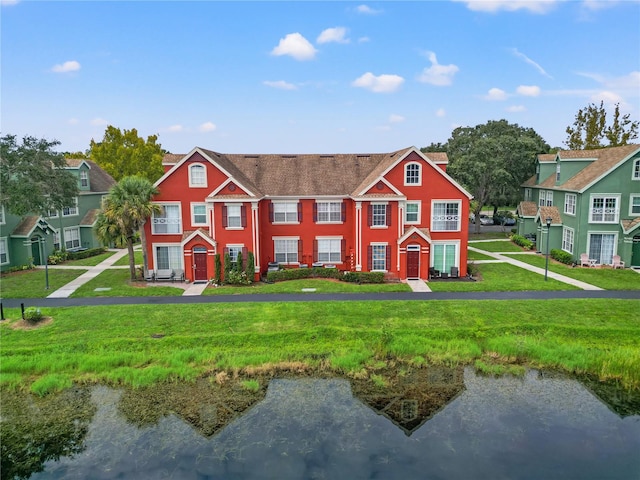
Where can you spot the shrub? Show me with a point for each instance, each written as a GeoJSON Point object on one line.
{"type": "Point", "coordinates": [58, 256]}
{"type": "Point", "coordinates": [250, 268]}
{"type": "Point", "coordinates": [91, 252]}
{"type": "Point", "coordinates": [239, 266]}
{"type": "Point", "coordinates": [523, 242]}
{"type": "Point", "coordinates": [561, 256]}
{"type": "Point", "coordinates": [363, 277]}
{"type": "Point", "coordinates": [298, 273]}
{"type": "Point", "coordinates": [32, 314]}
{"type": "Point", "coordinates": [237, 278]}
{"type": "Point", "coordinates": [228, 266]}
{"type": "Point", "coordinates": [218, 269]}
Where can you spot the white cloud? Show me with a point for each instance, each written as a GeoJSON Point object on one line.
{"type": "Point", "coordinates": [528, 90]}
{"type": "Point", "coordinates": [280, 84]}
{"type": "Point", "coordinates": [496, 94]}
{"type": "Point", "coordinates": [595, 5]}
{"type": "Point", "coordinates": [530, 62]}
{"type": "Point", "coordinates": [175, 129]}
{"type": "Point", "coordinates": [366, 10]}
{"type": "Point", "coordinates": [609, 98]}
{"type": "Point", "coordinates": [516, 108]}
{"type": "Point", "coordinates": [380, 84]}
{"type": "Point", "coordinates": [493, 6]}
{"type": "Point", "coordinates": [72, 121]}
{"type": "Point", "coordinates": [8, 3]}
{"type": "Point", "coordinates": [436, 74]}
{"type": "Point", "coordinates": [99, 122]}
{"type": "Point", "coordinates": [335, 34]}
{"type": "Point", "coordinates": [364, 40]}
{"type": "Point", "coordinates": [296, 46]}
{"type": "Point", "coordinates": [441, 112]}
{"type": "Point", "coordinates": [207, 127]}
{"type": "Point", "coordinates": [630, 81]}
{"type": "Point", "coordinates": [69, 66]}
{"type": "Point", "coordinates": [394, 118]}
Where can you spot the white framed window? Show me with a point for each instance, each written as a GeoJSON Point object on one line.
{"type": "Point", "coordinates": [567, 239]}
{"type": "Point", "coordinates": [233, 251]}
{"type": "Point", "coordinates": [602, 246]}
{"type": "Point", "coordinates": [56, 240]}
{"type": "Point", "coordinates": [542, 198]}
{"type": "Point", "coordinates": [378, 256]}
{"type": "Point", "coordinates": [197, 175]}
{"type": "Point", "coordinates": [412, 174]}
{"type": "Point", "coordinates": [604, 209]}
{"type": "Point", "coordinates": [527, 194]}
{"type": "Point", "coordinates": [328, 212]}
{"type": "Point", "coordinates": [285, 212]}
{"type": "Point", "coordinates": [71, 210]}
{"type": "Point", "coordinates": [52, 214]}
{"type": "Point", "coordinates": [444, 256]}
{"type": "Point", "coordinates": [4, 251]}
{"type": "Point", "coordinates": [2, 219]}
{"type": "Point", "coordinates": [329, 250]}
{"type": "Point", "coordinates": [199, 214]}
{"type": "Point", "coordinates": [570, 203]}
{"type": "Point", "coordinates": [549, 198]}
{"type": "Point", "coordinates": [636, 170]}
{"type": "Point", "coordinates": [634, 205]}
{"type": "Point", "coordinates": [168, 221]}
{"type": "Point", "coordinates": [378, 214]}
{"type": "Point", "coordinates": [285, 250]}
{"type": "Point", "coordinates": [167, 257]}
{"type": "Point", "coordinates": [234, 215]}
{"type": "Point", "coordinates": [84, 178]}
{"type": "Point", "coordinates": [445, 216]}
{"type": "Point", "coordinates": [412, 212]}
{"type": "Point", "coordinates": [72, 238]}
{"type": "Point", "coordinates": [558, 172]}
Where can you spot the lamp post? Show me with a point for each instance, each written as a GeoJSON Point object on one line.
{"type": "Point", "coordinates": [546, 264]}
{"type": "Point", "coordinates": [43, 241]}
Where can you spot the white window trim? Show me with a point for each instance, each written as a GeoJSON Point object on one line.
{"type": "Point", "coordinates": [631, 197]}
{"type": "Point", "coordinates": [235, 204]}
{"type": "Point", "coordinates": [334, 238]}
{"type": "Point", "coordinates": [445, 242]}
{"type": "Point", "coordinates": [596, 232]}
{"type": "Point", "coordinates": [5, 242]}
{"type": "Point", "coordinates": [635, 167]}
{"type": "Point", "coordinates": [604, 196]}
{"type": "Point", "coordinates": [179, 204]}
{"type": "Point", "coordinates": [3, 219]}
{"type": "Point", "coordinates": [239, 246]}
{"type": "Point", "coordinates": [66, 237]}
{"type": "Point", "coordinates": [459, 224]}
{"type": "Point", "coordinates": [285, 221]}
{"type": "Point", "coordinates": [542, 198]}
{"type": "Point", "coordinates": [406, 168]}
{"type": "Point", "coordinates": [386, 220]}
{"type": "Point", "coordinates": [549, 202]}
{"type": "Point", "coordinates": [406, 211]}
{"type": "Point", "coordinates": [84, 175]}
{"type": "Point", "coordinates": [198, 185]}
{"type": "Point", "coordinates": [571, 231]}
{"type": "Point", "coordinates": [329, 222]}
{"type": "Point", "coordinates": [155, 257]}
{"type": "Point", "coordinates": [273, 239]}
{"type": "Point", "coordinates": [566, 204]}
{"type": "Point", "coordinates": [75, 206]}
{"type": "Point", "coordinates": [193, 214]}
{"type": "Point", "coordinates": [527, 194]}
{"type": "Point", "coordinates": [379, 244]}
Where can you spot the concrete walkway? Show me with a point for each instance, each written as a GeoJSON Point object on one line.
{"type": "Point", "coordinates": [418, 285]}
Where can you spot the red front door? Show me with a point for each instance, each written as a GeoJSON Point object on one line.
{"type": "Point", "coordinates": [413, 264]}
{"type": "Point", "coordinates": [200, 262]}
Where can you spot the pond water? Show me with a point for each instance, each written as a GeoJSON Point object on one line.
{"type": "Point", "coordinates": [433, 423]}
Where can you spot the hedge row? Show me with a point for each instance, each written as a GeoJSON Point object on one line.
{"type": "Point", "coordinates": [352, 277]}
{"type": "Point", "coordinates": [561, 256]}
{"type": "Point", "coordinates": [523, 242]}
{"type": "Point", "coordinates": [91, 252]}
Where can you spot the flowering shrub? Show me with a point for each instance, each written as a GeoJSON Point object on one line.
{"type": "Point", "coordinates": [237, 278]}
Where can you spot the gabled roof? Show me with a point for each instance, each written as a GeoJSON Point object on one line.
{"type": "Point", "coordinates": [188, 235]}
{"type": "Point", "coordinates": [312, 175]}
{"type": "Point", "coordinates": [629, 225]}
{"type": "Point", "coordinates": [411, 229]}
{"type": "Point", "coordinates": [28, 224]}
{"type": "Point", "coordinates": [549, 212]}
{"type": "Point", "coordinates": [546, 157]}
{"type": "Point", "coordinates": [527, 209]}
{"type": "Point", "coordinates": [90, 218]}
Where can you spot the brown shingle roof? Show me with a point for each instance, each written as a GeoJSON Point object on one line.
{"type": "Point", "coordinates": [172, 158]}
{"type": "Point", "coordinates": [549, 212]}
{"type": "Point", "coordinates": [89, 218]}
{"type": "Point", "coordinates": [546, 157]}
{"type": "Point", "coordinates": [607, 159]}
{"type": "Point", "coordinates": [630, 224]}
{"type": "Point", "coordinates": [26, 226]}
{"type": "Point", "coordinates": [527, 209]}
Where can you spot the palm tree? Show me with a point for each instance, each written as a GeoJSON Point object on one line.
{"type": "Point", "coordinates": [124, 212]}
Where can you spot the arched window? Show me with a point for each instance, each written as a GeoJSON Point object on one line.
{"type": "Point", "coordinates": [197, 175]}
{"type": "Point", "coordinates": [412, 174]}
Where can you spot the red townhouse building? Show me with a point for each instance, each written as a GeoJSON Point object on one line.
{"type": "Point", "coordinates": [396, 212]}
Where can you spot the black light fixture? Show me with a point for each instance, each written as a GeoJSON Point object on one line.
{"type": "Point", "coordinates": [546, 265]}
{"type": "Point", "coordinates": [44, 226]}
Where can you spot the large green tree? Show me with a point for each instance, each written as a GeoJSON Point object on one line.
{"type": "Point", "coordinates": [124, 153]}
{"type": "Point", "coordinates": [33, 177]}
{"type": "Point", "coordinates": [590, 129]}
{"type": "Point", "coordinates": [492, 160]}
{"type": "Point", "coordinates": [124, 213]}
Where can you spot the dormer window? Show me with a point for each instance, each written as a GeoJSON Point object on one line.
{"type": "Point", "coordinates": [558, 172]}
{"type": "Point", "coordinates": [84, 179]}
{"type": "Point", "coordinates": [412, 174]}
{"type": "Point", "coordinates": [197, 175]}
{"type": "Point", "coordinates": [636, 170]}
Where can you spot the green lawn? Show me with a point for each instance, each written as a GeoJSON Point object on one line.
{"type": "Point", "coordinates": [320, 285]}
{"type": "Point", "coordinates": [607, 278]}
{"type": "Point", "coordinates": [150, 343]}
{"type": "Point", "coordinates": [31, 283]}
{"type": "Point", "coordinates": [124, 261]}
{"type": "Point", "coordinates": [118, 281]}
{"type": "Point", "coordinates": [500, 277]}
{"type": "Point", "coordinates": [471, 255]}
{"type": "Point", "coordinates": [500, 246]}
{"type": "Point", "coordinates": [89, 261]}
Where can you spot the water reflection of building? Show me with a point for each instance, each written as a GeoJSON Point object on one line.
{"type": "Point", "coordinates": [206, 406]}
{"type": "Point", "coordinates": [412, 397]}
{"type": "Point", "coordinates": [622, 402]}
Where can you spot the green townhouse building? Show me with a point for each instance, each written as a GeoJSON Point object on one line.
{"type": "Point", "coordinates": [591, 201]}
{"type": "Point", "coordinates": [26, 240]}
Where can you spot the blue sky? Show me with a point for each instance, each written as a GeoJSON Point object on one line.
{"type": "Point", "coordinates": [311, 77]}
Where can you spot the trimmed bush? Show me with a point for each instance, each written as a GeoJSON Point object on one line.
{"type": "Point", "coordinates": [363, 277]}
{"type": "Point", "coordinates": [523, 242]}
{"type": "Point", "coordinates": [92, 252]}
{"type": "Point", "coordinates": [250, 269]}
{"type": "Point", "coordinates": [351, 277]}
{"type": "Point", "coordinates": [218, 269]}
{"type": "Point", "coordinates": [32, 314]}
{"type": "Point", "coordinates": [561, 256]}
